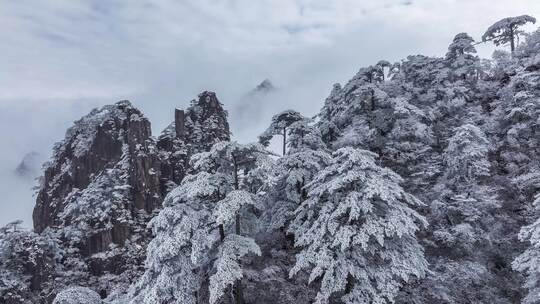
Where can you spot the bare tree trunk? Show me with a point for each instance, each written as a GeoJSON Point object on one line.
{"type": "Point", "coordinates": [512, 43]}
{"type": "Point", "coordinates": [238, 290]}
{"type": "Point", "coordinates": [235, 172]}
{"type": "Point", "coordinates": [220, 226]}
{"type": "Point", "coordinates": [372, 100]}
{"type": "Point", "coordinates": [284, 140]}
{"type": "Point", "coordinates": [350, 284]}
{"type": "Point", "coordinates": [238, 293]}
{"type": "Point", "coordinates": [221, 233]}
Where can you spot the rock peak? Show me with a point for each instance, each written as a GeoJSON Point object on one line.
{"type": "Point", "coordinates": [265, 86]}
{"type": "Point", "coordinates": [113, 136]}
{"type": "Point", "coordinates": [29, 165]}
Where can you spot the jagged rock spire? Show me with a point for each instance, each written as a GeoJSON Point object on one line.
{"type": "Point", "coordinates": [265, 86]}
{"type": "Point", "coordinates": [206, 122]}
{"type": "Point", "coordinates": [194, 130]}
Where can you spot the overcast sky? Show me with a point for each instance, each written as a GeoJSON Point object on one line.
{"type": "Point", "coordinates": [59, 59]}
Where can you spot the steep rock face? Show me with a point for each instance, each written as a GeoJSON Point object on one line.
{"type": "Point", "coordinates": [105, 182]}
{"type": "Point", "coordinates": [112, 145]}
{"type": "Point", "coordinates": [194, 130]}
{"type": "Point", "coordinates": [205, 123]}
{"type": "Point", "coordinates": [98, 192]}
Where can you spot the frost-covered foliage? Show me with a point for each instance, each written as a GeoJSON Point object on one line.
{"type": "Point", "coordinates": [206, 123]}
{"type": "Point", "coordinates": [26, 261]}
{"type": "Point", "coordinates": [328, 221]}
{"type": "Point", "coordinates": [97, 194]}
{"type": "Point", "coordinates": [202, 234]}
{"type": "Point", "coordinates": [529, 260]}
{"type": "Point", "coordinates": [463, 207]}
{"type": "Point", "coordinates": [357, 231]}
{"type": "Point", "coordinates": [520, 147]}
{"type": "Point", "coordinates": [278, 126]}
{"type": "Point", "coordinates": [99, 207]}
{"type": "Point", "coordinates": [507, 30]}
{"type": "Point", "coordinates": [173, 255]}
{"type": "Point", "coordinates": [466, 156]}
{"type": "Point", "coordinates": [519, 113]}
{"type": "Point", "coordinates": [408, 145]}
{"type": "Point", "coordinates": [463, 62]}
{"type": "Point", "coordinates": [77, 295]}
{"type": "Point", "coordinates": [307, 155]}
{"type": "Point", "coordinates": [228, 266]}
{"type": "Point", "coordinates": [442, 124]}
{"type": "Point", "coordinates": [227, 208]}
{"type": "Point", "coordinates": [229, 164]}
{"type": "Point", "coordinates": [381, 117]}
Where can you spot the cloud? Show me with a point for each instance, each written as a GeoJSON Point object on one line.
{"type": "Point", "coordinates": [60, 58]}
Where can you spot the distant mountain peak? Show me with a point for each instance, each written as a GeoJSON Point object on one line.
{"type": "Point", "coordinates": [265, 86]}
{"type": "Point", "coordinates": [29, 165]}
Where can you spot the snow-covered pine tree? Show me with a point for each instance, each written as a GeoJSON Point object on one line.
{"type": "Point", "coordinates": [356, 231]}
{"type": "Point", "coordinates": [507, 30]}
{"type": "Point", "coordinates": [407, 146]}
{"type": "Point", "coordinates": [27, 260]}
{"type": "Point", "coordinates": [465, 196]}
{"type": "Point", "coordinates": [519, 114]}
{"type": "Point", "coordinates": [306, 156]}
{"type": "Point", "coordinates": [230, 164]}
{"type": "Point", "coordinates": [459, 241]}
{"type": "Point", "coordinates": [332, 107]}
{"type": "Point", "coordinates": [380, 117]}
{"type": "Point", "coordinates": [278, 126]}
{"type": "Point", "coordinates": [466, 156]}
{"type": "Point", "coordinates": [200, 235]}
{"type": "Point", "coordinates": [528, 261]}
{"type": "Point", "coordinates": [358, 115]}
{"type": "Point", "coordinates": [175, 258]}
{"type": "Point", "coordinates": [455, 102]}
{"type": "Point", "coordinates": [460, 56]}
{"type": "Point", "coordinates": [517, 130]}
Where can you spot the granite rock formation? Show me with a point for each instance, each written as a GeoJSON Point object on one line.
{"type": "Point", "coordinates": [107, 179]}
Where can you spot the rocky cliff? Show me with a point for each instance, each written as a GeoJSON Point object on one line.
{"type": "Point", "coordinates": [106, 158]}
{"type": "Point", "coordinates": [194, 130]}
{"type": "Point", "coordinates": [107, 179]}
